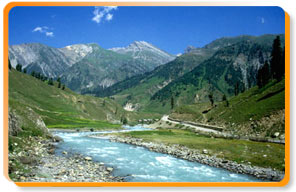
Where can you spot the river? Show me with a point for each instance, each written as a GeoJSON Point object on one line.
{"type": "Point", "coordinates": [138, 164]}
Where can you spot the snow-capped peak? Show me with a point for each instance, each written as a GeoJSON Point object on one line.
{"type": "Point", "coordinates": [77, 52]}
{"type": "Point", "coordinates": [80, 49]}
{"type": "Point", "coordinates": [146, 52]}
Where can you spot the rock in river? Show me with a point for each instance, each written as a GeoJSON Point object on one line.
{"type": "Point", "coordinates": [88, 158]}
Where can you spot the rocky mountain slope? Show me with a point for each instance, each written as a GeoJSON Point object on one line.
{"type": "Point", "coordinates": [37, 57]}
{"type": "Point", "coordinates": [85, 66]}
{"type": "Point", "coordinates": [76, 52]}
{"type": "Point", "coordinates": [101, 68]}
{"type": "Point", "coordinates": [148, 53]}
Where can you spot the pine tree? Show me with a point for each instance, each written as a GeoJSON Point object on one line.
{"type": "Point", "coordinates": [211, 98]}
{"type": "Point", "coordinates": [259, 78]}
{"type": "Point", "coordinates": [38, 75]}
{"type": "Point", "coordinates": [50, 81]}
{"type": "Point", "coordinates": [242, 88]}
{"type": "Point", "coordinates": [282, 68]}
{"type": "Point", "coordinates": [33, 73]}
{"type": "Point", "coordinates": [276, 59]}
{"type": "Point", "coordinates": [236, 89]}
{"type": "Point", "coordinates": [123, 120]}
{"type": "Point", "coordinates": [9, 64]}
{"type": "Point", "coordinates": [25, 70]}
{"type": "Point", "coordinates": [19, 67]}
{"type": "Point", "coordinates": [266, 73]}
{"type": "Point", "coordinates": [263, 75]}
{"type": "Point", "coordinates": [59, 82]}
{"type": "Point", "coordinates": [172, 103]}
{"type": "Point", "coordinates": [63, 88]}
{"type": "Point", "coordinates": [224, 99]}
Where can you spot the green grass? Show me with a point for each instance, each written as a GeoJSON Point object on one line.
{"type": "Point", "coordinates": [253, 104]}
{"type": "Point", "coordinates": [240, 151]}
{"type": "Point", "coordinates": [60, 108]}
{"type": "Point", "coordinates": [85, 123]}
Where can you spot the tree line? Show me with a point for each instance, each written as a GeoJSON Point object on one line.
{"type": "Point", "coordinates": [275, 68]}
{"type": "Point", "coordinates": [38, 75]}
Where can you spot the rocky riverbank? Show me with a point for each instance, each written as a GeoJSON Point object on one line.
{"type": "Point", "coordinates": [40, 164]}
{"type": "Point", "coordinates": [203, 157]}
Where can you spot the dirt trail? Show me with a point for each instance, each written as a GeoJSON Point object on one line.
{"type": "Point", "coordinates": [166, 118]}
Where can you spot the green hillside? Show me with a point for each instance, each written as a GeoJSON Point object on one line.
{"type": "Point", "coordinates": [216, 68]}
{"type": "Point", "coordinates": [256, 111]}
{"type": "Point", "coordinates": [231, 67]}
{"type": "Point", "coordinates": [60, 108]}
{"type": "Point", "coordinates": [140, 88]}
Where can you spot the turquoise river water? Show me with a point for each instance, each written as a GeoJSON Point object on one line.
{"type": "Point", "coordinates": [138, 164]}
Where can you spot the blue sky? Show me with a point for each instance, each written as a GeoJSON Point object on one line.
{"type": "Point", "coordinates": [169, 28]}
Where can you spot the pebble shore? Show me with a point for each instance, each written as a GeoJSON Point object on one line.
{"type": "Point", "coordinates": [46, 166]}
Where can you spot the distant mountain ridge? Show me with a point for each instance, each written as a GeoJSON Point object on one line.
{"type": "Point", "coordinates": [137, 58]}
{"type": "Point", "coordinates": [146, 52]}
{"type": "Point", "coordinates": [40, 58]}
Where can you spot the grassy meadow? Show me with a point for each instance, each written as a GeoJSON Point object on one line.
{"type": "Point", "coordinates": [241, 151]}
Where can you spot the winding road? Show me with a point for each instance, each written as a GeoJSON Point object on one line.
{"type": "Point", "coordinates": [198, 128]}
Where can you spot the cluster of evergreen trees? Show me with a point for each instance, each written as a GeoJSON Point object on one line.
{"type": "Point", "coordinates": [239, 88]}
{"type": "Point", "coordinates": [50, 81]}
{"type": "Point", "coordinates": [19, 67]}
{"type": "Point", "coordinates": [60, 84]}
{"type": "Point", "coordinates": [123, 120]}
{"type": "Point", "coordinates": [37, 75]}
{"type": "Point", "coordinates": [275, 68]}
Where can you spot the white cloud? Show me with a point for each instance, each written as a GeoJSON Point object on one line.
{"type": "Point", "coordinates": [109, 17]}
{"type": "Point", "coordinates": [101, 13]}
{"type": "Point", "coordinates": [49, 34]}
{"type": "Point", "coordinates": [38, 29]}
{"type": "Point", "coordinates": [262, 20]}
{"type": "Point", "coordinates": [44, 30]}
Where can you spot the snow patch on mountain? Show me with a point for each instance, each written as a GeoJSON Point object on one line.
{"type": "Point", "coordinates": [146, 52]}
{"type": "Point", "coordinates": [77, 52]}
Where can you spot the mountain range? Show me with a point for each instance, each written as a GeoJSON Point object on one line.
{"type": "Point", "coordinates": [143, 77]}
{"type": "Point", "coordinates": [83, 67]}
{"type": "Point", "coordinates": [215, 68]}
